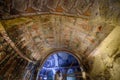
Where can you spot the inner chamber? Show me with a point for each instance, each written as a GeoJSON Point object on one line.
{"type": "Point", "coordinates": [62, 65]}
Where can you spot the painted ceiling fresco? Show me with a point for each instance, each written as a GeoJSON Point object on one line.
{"type": "Point", "coordinates": [31, 29]}
{"type": "Point", "coordinates": [36, 35]}
{"type": "Point", "coordinates": [15, 8]}
{"type": "Point", "coordinates": [10, 62]}
{"type": "Point", "coordinates": [63, 62]}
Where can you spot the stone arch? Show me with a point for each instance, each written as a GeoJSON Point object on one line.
{"type": "Point", "coordinates": [55, 52]}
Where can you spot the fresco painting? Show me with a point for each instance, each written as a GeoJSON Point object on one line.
{"type": "Point", "coordinates": [61, 61]}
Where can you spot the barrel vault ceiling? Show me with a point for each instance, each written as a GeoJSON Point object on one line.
{"type": "Point", "coordinates": [34, 28]}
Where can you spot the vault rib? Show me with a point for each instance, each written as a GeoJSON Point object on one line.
{"type": "Point", "coordinates": [9, 41]}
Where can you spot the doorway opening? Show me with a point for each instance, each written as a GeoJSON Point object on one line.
{"type": "Point", "coordinates": [62, 65]}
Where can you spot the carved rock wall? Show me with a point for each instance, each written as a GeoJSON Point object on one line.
{"type": "Point", "coordinates": [107, 58]}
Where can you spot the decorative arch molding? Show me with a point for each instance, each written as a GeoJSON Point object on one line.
{"type": "Point", "coordinates": [53, 51]}
{"type": "Point", "coordinates": [12, 44]}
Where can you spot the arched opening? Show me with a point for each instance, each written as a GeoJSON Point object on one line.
{"type": "Point", "coordinates": [60, 64]}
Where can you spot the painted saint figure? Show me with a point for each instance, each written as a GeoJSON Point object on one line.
{"type": "Point", "coordinates": [58, 75]}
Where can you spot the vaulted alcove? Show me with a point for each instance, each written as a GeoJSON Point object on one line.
{"type": "Point", "coordinates": [36, 37]}
{"type": "Point", "coordinates": [63, 62]}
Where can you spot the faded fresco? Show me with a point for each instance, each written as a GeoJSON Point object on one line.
{"type": "Point", "coordinates": [63, 62]}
